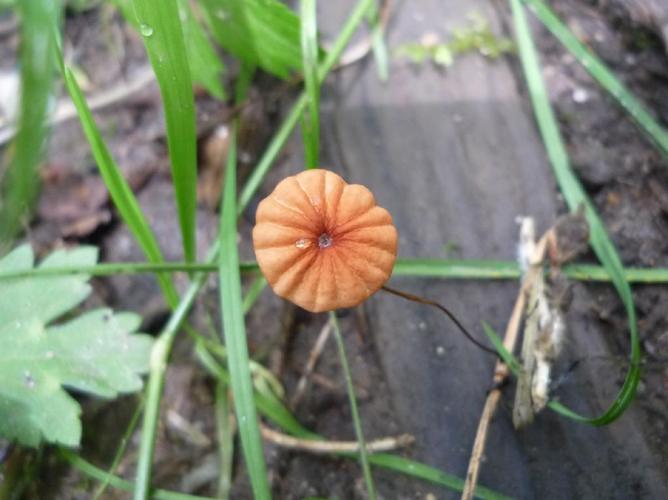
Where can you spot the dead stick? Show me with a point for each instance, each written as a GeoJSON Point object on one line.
{"type": "Point", "coordinates": [310, 363]}
{"type": "Point", "coordinates": [315, 446]}
{"type": "Point", "coordinates": [501, 370]}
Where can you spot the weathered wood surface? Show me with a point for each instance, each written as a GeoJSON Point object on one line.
{"type": "Point", "coordinates": [455, 157]}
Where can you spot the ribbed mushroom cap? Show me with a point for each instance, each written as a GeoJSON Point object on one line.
{"type": "Point", "coordinates": [322, 243]}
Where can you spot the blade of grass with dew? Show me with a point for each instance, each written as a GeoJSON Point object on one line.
{"type": "Point", "coordinates": [378, 45]}
{"type": "Point", "coordinates": [39, 19]}
{"type": "Point", "coordinates": [234, 332]}
{"type": "Point", "coordinates": [309, 42]}
{"type": "Point", "coordinates": [600, 72]}
{"type": "Point", "coordinates": [575, 196]}
{"type": "Point", "coordinates": [363, 454]}
{"type": "Point", "coordinates": [124, 199]}
{"type": "Point", "coordinates": [274, 410]}
{"type": "Point", "coordinates": [98, 474]}
{"type": "Point", "coordinates": [159, 25]}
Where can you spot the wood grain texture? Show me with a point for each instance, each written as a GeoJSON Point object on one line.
{"type": "Point", "coordinates": [455, 157]}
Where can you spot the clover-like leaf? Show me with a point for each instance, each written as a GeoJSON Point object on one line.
{"type": "Point", "coordinates": [95, 352]}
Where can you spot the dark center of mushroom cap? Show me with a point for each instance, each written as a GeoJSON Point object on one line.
{"type": "Point", "coordinates": [325, 240]}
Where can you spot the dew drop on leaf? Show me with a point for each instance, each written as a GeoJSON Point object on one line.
{"type": "Point", "coordinates": [145, 30]}
{"type": "Point", "coordinates": [28, 379]}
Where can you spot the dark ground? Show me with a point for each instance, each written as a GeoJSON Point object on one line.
{"type": "Point", "coordinates": [454, 156]}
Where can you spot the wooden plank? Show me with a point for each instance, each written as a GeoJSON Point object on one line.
{"type": "Point", "coordinates": [455, 157]}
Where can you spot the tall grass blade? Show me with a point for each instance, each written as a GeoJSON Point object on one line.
{"type": "Point", "coordinates": [575, 197]}
{"type": "Point", "coordinates": [378, 45]}
{"type": "Point", "coordinates": [601, 74]}
{"type": "Point", "coordinates": [159, 24]}
{"type": "Point", "coordinates": [39, 19]}
{"type": "Point", "coordinates": [124, 199]}
{"type": "Point", "coordinates": [309, 41]}
{"type": "Point", "coordinates": [234, 331]}
{"type": "Point", "coordinates": [357, 423]}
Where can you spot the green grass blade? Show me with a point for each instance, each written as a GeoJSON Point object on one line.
{"type": "Point", "coordinates": [156, 380]}
{"type": "Point", "coordinates": [601, 74]}
{"type": "Point", "coordinates": [357, 423]}
{"type": "Point", "coordinates": [254, 291]}
{"type": "Point", "coordinates": [124, 199]}
{"type": "Point", "coordinates": [225, 433]}
{"type": "Point", "coordinates": [575, 196]}
{"type": "Point", "coordinates": [234, 331]}
{"type": "Point", "coordinates": [309, 41]}
{"type": "Point", "coordinates": [98, 474]}
{"type": "Point", "coordinates": [378, 45]}
{"type": "Point", "coordinates": [159, 24]}
{"type": "Point", "coordinates": [421, 268]}
{"type": "Point", "coordinates": [39, 19]}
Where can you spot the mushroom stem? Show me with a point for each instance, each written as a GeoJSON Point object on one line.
{"type": "Point", "coordinates": [453, 318]}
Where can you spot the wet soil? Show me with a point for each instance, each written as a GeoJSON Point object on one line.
{"type": "Point", "coordinates": [455, 157]}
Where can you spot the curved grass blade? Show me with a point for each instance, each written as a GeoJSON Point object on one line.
{"type": "Point", "coordinates": [234, 332]}
{"type": "Point", "coordinates": [597, 69]}
{"type": "Point", "coordinates": [123, 197]}
{"type": "Point", "coordinates": [575, 197]}
{"type": "Point", "coordinates": [159, 24]}
{"type": "Point", "coordinates": [309, 42]}
{"type": "Point", "coordinates": [39, 19]}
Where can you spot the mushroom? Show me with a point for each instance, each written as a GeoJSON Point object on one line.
{"type": "Point", "coordinates": [322, 243]}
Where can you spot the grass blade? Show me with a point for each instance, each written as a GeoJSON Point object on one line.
{"type": "Point", "coordinates": [363, 454]}
{"type": "Point", "coordinates": [123, 197]}
{"type": "Point", "coordinates": [39, 19]}
{"type": "Point", "coordinates": [378, 45]}
{"type": "Point", "coordinates": [600, 72]}
{"type": "Point", "coordinates": [159, 24]}
{"type": "Point", "coordinates": [115, 481]}
{"type": "Point", "coordinates": [309, 41]}
{"type": "Point", "coordinates": [234, 332]}
{"type": "Point", "coordinates": [575, 196]}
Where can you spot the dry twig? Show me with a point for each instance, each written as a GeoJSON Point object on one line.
{"type": "Point", "coordinates": [313, 446]}
{"type": "Point", "coordinates": [502, 371]}
{"type": "Point", "coordinates": [313, 357]}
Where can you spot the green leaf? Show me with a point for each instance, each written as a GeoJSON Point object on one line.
{"type": "Point", "coordinates": [160, 27]}
{"type": "Point", "coordinates": [206, 66]}
{"type": "Point", "coordinates": [263, 33]}
{"type": "Point", "coordinates": [96, 352]}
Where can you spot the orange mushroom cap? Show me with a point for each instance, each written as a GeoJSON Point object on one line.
{"type": "Point", "coordinates": [322, 243]}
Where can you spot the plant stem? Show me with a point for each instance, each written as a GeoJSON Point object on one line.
{"type": "Point", "coordinates": [364, 458]}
